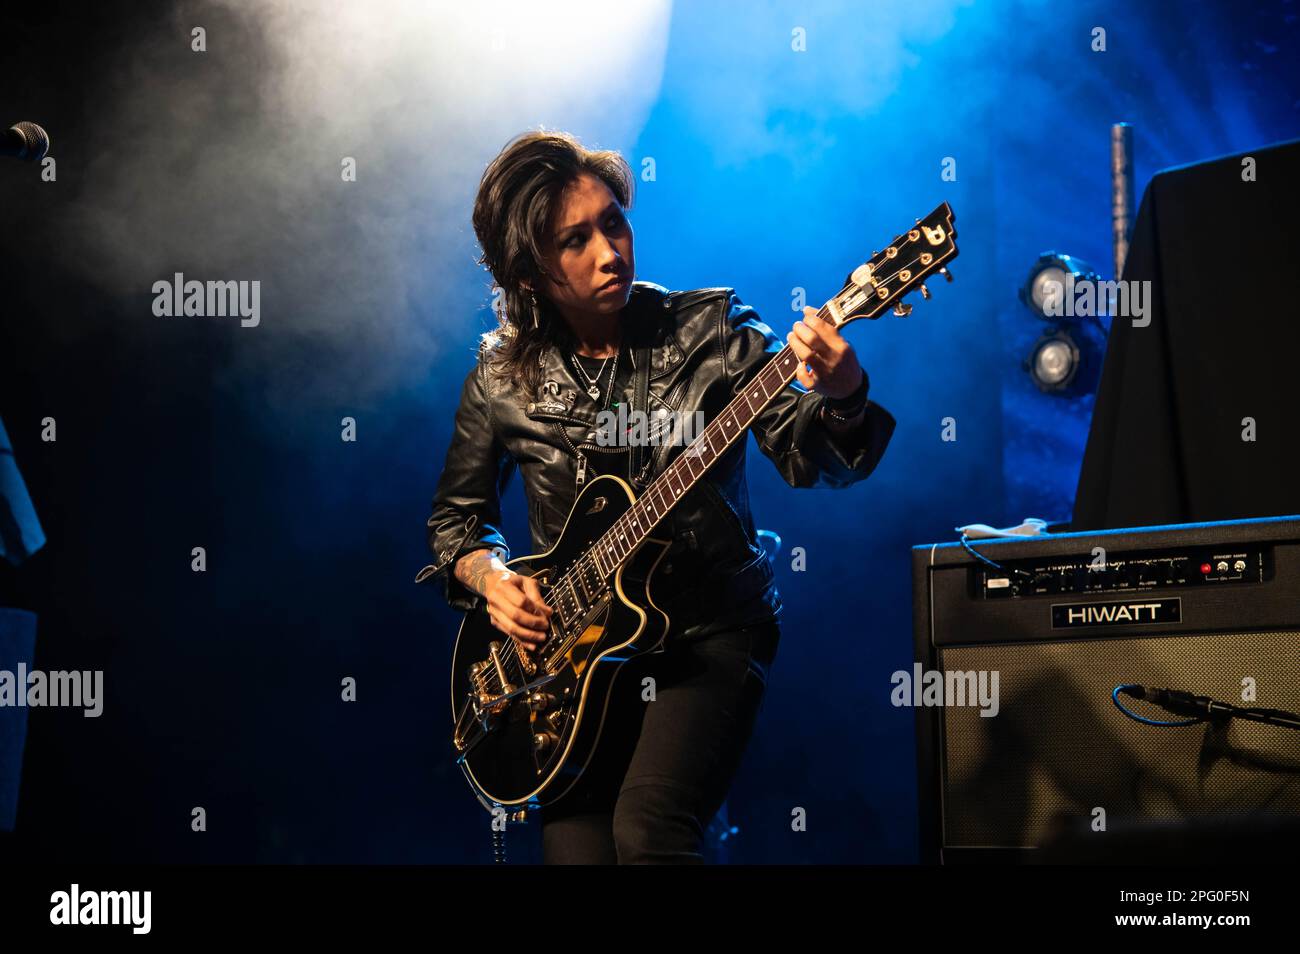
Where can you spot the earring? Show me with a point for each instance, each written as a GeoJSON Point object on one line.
{"type": "Point", "coordinates": [537, 321]}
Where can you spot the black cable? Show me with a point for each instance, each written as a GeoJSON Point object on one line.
{"type": "Point", "coordinates": [1114, 696]}
{"type": "Point", "coordinates": [965, 542]}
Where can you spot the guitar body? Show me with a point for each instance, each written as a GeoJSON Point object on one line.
{"type": "Point", "coordinates": [532, 747]}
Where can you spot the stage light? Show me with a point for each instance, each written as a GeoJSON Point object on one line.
{"type": "Point", "coordinates": [1066, 360]}
{"type": "Point", "coordinates": [1054, 360]}
{"type": "Point", "coordinates": [1049, 289]}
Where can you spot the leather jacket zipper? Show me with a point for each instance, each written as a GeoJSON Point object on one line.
{"type": "Point", "coordinates": [589, 446]}
{"type": "Point", "coordinates": [582, 458]}
{"type": "Point", "coordinates": [577, 449]}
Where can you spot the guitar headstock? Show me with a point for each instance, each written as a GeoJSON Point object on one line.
{"type": "Point", "coordinates": [901, 268]}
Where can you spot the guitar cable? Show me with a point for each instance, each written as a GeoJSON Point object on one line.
{"type": "Point", "coordinates": [965, 542]}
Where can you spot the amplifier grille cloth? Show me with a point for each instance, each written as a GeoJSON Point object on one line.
{"type": "Point", "coordinates": [1058, 745]}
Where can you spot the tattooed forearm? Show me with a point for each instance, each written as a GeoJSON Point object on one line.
{"type": "Point", "coordinates": [476, 568]}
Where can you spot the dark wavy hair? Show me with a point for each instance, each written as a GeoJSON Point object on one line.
{"type": "Point", "coordinates": [518, 198]}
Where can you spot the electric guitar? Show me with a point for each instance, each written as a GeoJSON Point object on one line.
{"type": "Point", "coordinates": [527, 723]}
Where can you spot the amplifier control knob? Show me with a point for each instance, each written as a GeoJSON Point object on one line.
{"type": "Point", "coordinates": [1222, 566]}
{"type": "Point", "coordinates": [1240, 566]}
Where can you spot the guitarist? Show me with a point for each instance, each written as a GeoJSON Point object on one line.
{"type": "Point", "coordinates": [551, 219]}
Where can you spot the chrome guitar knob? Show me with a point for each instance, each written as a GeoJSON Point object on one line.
{"type": "Point", "coordinates": [540, 701]}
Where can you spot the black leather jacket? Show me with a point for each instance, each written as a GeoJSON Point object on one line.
{"type": "Point", "coordinates": [705, 345]}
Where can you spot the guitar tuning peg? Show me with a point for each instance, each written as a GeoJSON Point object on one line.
{"type": "Point", "coordinates": [945, 273]}
{"type": "Point", "coordinates": [902, 310]}
{"type": "Point", "coordinates": [925, 292]}
{"type": "Point", "coordinates": [918, 221]}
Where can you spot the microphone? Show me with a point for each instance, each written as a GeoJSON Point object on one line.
{"type": "Point", "coordinates": [26, 141]}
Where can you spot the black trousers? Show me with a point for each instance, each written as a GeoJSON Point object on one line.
{"type": "Point", "coordinates": [668, 753]}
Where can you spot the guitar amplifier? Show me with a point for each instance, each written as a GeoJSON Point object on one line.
{"type": "Point", "coordinates": [1020, 744]}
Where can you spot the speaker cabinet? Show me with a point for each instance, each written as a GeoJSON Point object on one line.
{"type": "Point", "coordinates": [1048, 761]}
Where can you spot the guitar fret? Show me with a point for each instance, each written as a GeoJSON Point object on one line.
{"type": "Point", "coordinates": [672, 472]}
{"type": "Point", "coordinates": [689, 469]}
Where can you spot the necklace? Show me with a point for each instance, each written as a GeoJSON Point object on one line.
{"type": "Point", "coordinates": [593, 384]}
